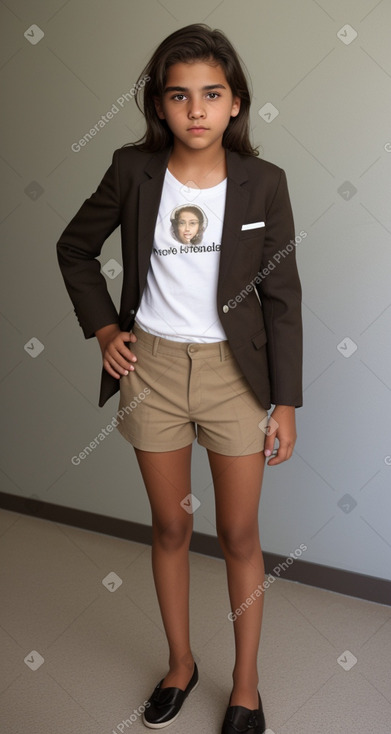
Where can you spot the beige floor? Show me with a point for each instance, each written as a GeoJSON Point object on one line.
{"type": "Point", "coordinates": [104, 649]}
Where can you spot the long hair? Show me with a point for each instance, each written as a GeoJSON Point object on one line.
{"type": "Point", "coordinates": [196, 42]}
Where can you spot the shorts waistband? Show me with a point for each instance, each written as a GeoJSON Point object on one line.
{"type": "Point", "coordinates": [179, 349]}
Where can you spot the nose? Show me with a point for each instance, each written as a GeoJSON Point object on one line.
{"type": "Point", "coordinates": [196, 108]}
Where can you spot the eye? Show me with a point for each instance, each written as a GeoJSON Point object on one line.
{"type": "Point", "coordinates": [178, 97]}
{"type": "Point", "coordinates": [213, 95]}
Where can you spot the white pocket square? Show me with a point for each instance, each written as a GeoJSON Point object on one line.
{"type": "Point", "coordinates": [253, 225]}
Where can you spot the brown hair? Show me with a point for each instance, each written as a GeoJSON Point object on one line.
{"type": "Point", "coordinates": [196, 42]}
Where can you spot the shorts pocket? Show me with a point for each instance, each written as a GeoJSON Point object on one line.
{"type": "Point", "coordinates": [232, 377]}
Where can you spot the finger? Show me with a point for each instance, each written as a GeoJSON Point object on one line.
{"type": "Point", "coordinates": [110, 370]}
{"type": "Point", "coordinates": [118, 363]}
{"type": "Point", "coordinates": [269, 443]}
{"type": "Point", "coordinates": [126, 336]}
{"type": "Point", "coordinates": [121, 347]}
{"type": "Point", "coordinates": [277, 459]}
{"type": "Point", "coordinates": [121, 355]}
{"type": "Point", "coordinates": [284, 453]}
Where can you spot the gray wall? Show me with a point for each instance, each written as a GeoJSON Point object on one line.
{"type": "Point", "coordinates": [331, 135]}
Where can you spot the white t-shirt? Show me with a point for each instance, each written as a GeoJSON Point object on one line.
{"type": "Point", "coordinates": [179, 298]}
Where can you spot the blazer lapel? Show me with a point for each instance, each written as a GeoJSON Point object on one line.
{"type": "Point", "coordinates": [149, 200]}
{"type": "Point", "coordinates": [235, 210]}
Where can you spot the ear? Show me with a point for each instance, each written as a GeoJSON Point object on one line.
{"type": "Point", "coordinates": [159, 108]}
{"type": "Point", "coordinates": [235, 106]}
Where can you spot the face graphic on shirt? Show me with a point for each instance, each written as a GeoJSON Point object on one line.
{"type": "Point", "coordinates": [188, 227]}
{"type": "Point", "coordinates": [188, 224]}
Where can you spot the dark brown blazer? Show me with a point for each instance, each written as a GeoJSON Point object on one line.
{"type": "Point", "coordinates": [258, 292]}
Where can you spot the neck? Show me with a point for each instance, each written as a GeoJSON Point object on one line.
{"type": "Point", "coordinates": [205, 167]}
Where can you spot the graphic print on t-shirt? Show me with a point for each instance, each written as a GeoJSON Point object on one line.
{"type": "Point", "coordinates": [188, 224]}
{"type": "Point", "coordinates": [179, 297]}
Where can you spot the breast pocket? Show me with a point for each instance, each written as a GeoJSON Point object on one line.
{"type": "Point", "coordinates": [253, 226]}
{"type": "Point", "coordinates": [252, 231]}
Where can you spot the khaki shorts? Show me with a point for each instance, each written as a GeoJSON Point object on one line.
{"type": "Point", "coordinates": [181, 391]}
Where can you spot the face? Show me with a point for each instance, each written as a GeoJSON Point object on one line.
{"type": "Point", "coordinates": [197, 104]}
{"type": "Point", "coordinates": [188, 226]}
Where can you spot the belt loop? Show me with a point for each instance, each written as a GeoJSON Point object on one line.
{"type": "Point", "coordinates": [155, 345]}
{"type": "Point", "coordinates": [222, 351]}
{"type": "Point", "coordinates": [227, 350]}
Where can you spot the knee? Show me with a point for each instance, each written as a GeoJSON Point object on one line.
{"type": "Point", "coordinates": [239, 542]}
{"type": "Point", "coordinates": [173, 535]}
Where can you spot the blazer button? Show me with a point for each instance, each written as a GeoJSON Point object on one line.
{"type": "Point", "coordinates": [131, 311]}
{"type": "Point", "coordinates": [225, 308]}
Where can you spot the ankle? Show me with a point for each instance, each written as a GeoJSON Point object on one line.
{"type": "Point", "coordinates": [246, 696]}
{"type": "Point", "coordinates": [180, 673]}
{"type": "Point", "coordinates": [245, 677]}
{"type": "Point", "coordinates": [183, 661]}
{"type": "Point", "coordinates": [245, 680]}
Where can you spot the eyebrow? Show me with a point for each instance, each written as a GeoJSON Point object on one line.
{"type": "Point", "coordinates": [208, 87]}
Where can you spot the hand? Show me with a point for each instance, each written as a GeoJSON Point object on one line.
{"type": "Point", "coordinates": [285, 432]}
{"type": "Point", "coordinates": [117, 358]}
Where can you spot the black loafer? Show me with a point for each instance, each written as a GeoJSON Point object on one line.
{"type": "Point", "coordinates": [165, 703]}
{"type": "Point", "coordinates": [239, 719]}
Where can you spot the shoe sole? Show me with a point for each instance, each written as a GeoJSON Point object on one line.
{"type": "Point", "coordinates": [167, 723]}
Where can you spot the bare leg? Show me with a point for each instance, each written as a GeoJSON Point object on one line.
{"type": "Point", "coordinates": [237, 483]}
{"type": "Point", "coordinates": [167, 480]}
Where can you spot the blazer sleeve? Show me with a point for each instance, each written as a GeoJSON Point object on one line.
{"type": "Point", "coordinates": [280, 295]}
{"type": "Point", "coordinates": [80, 244]}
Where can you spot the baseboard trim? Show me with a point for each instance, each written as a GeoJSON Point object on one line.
{"type": "Point", "coordinates": [350, 583]}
